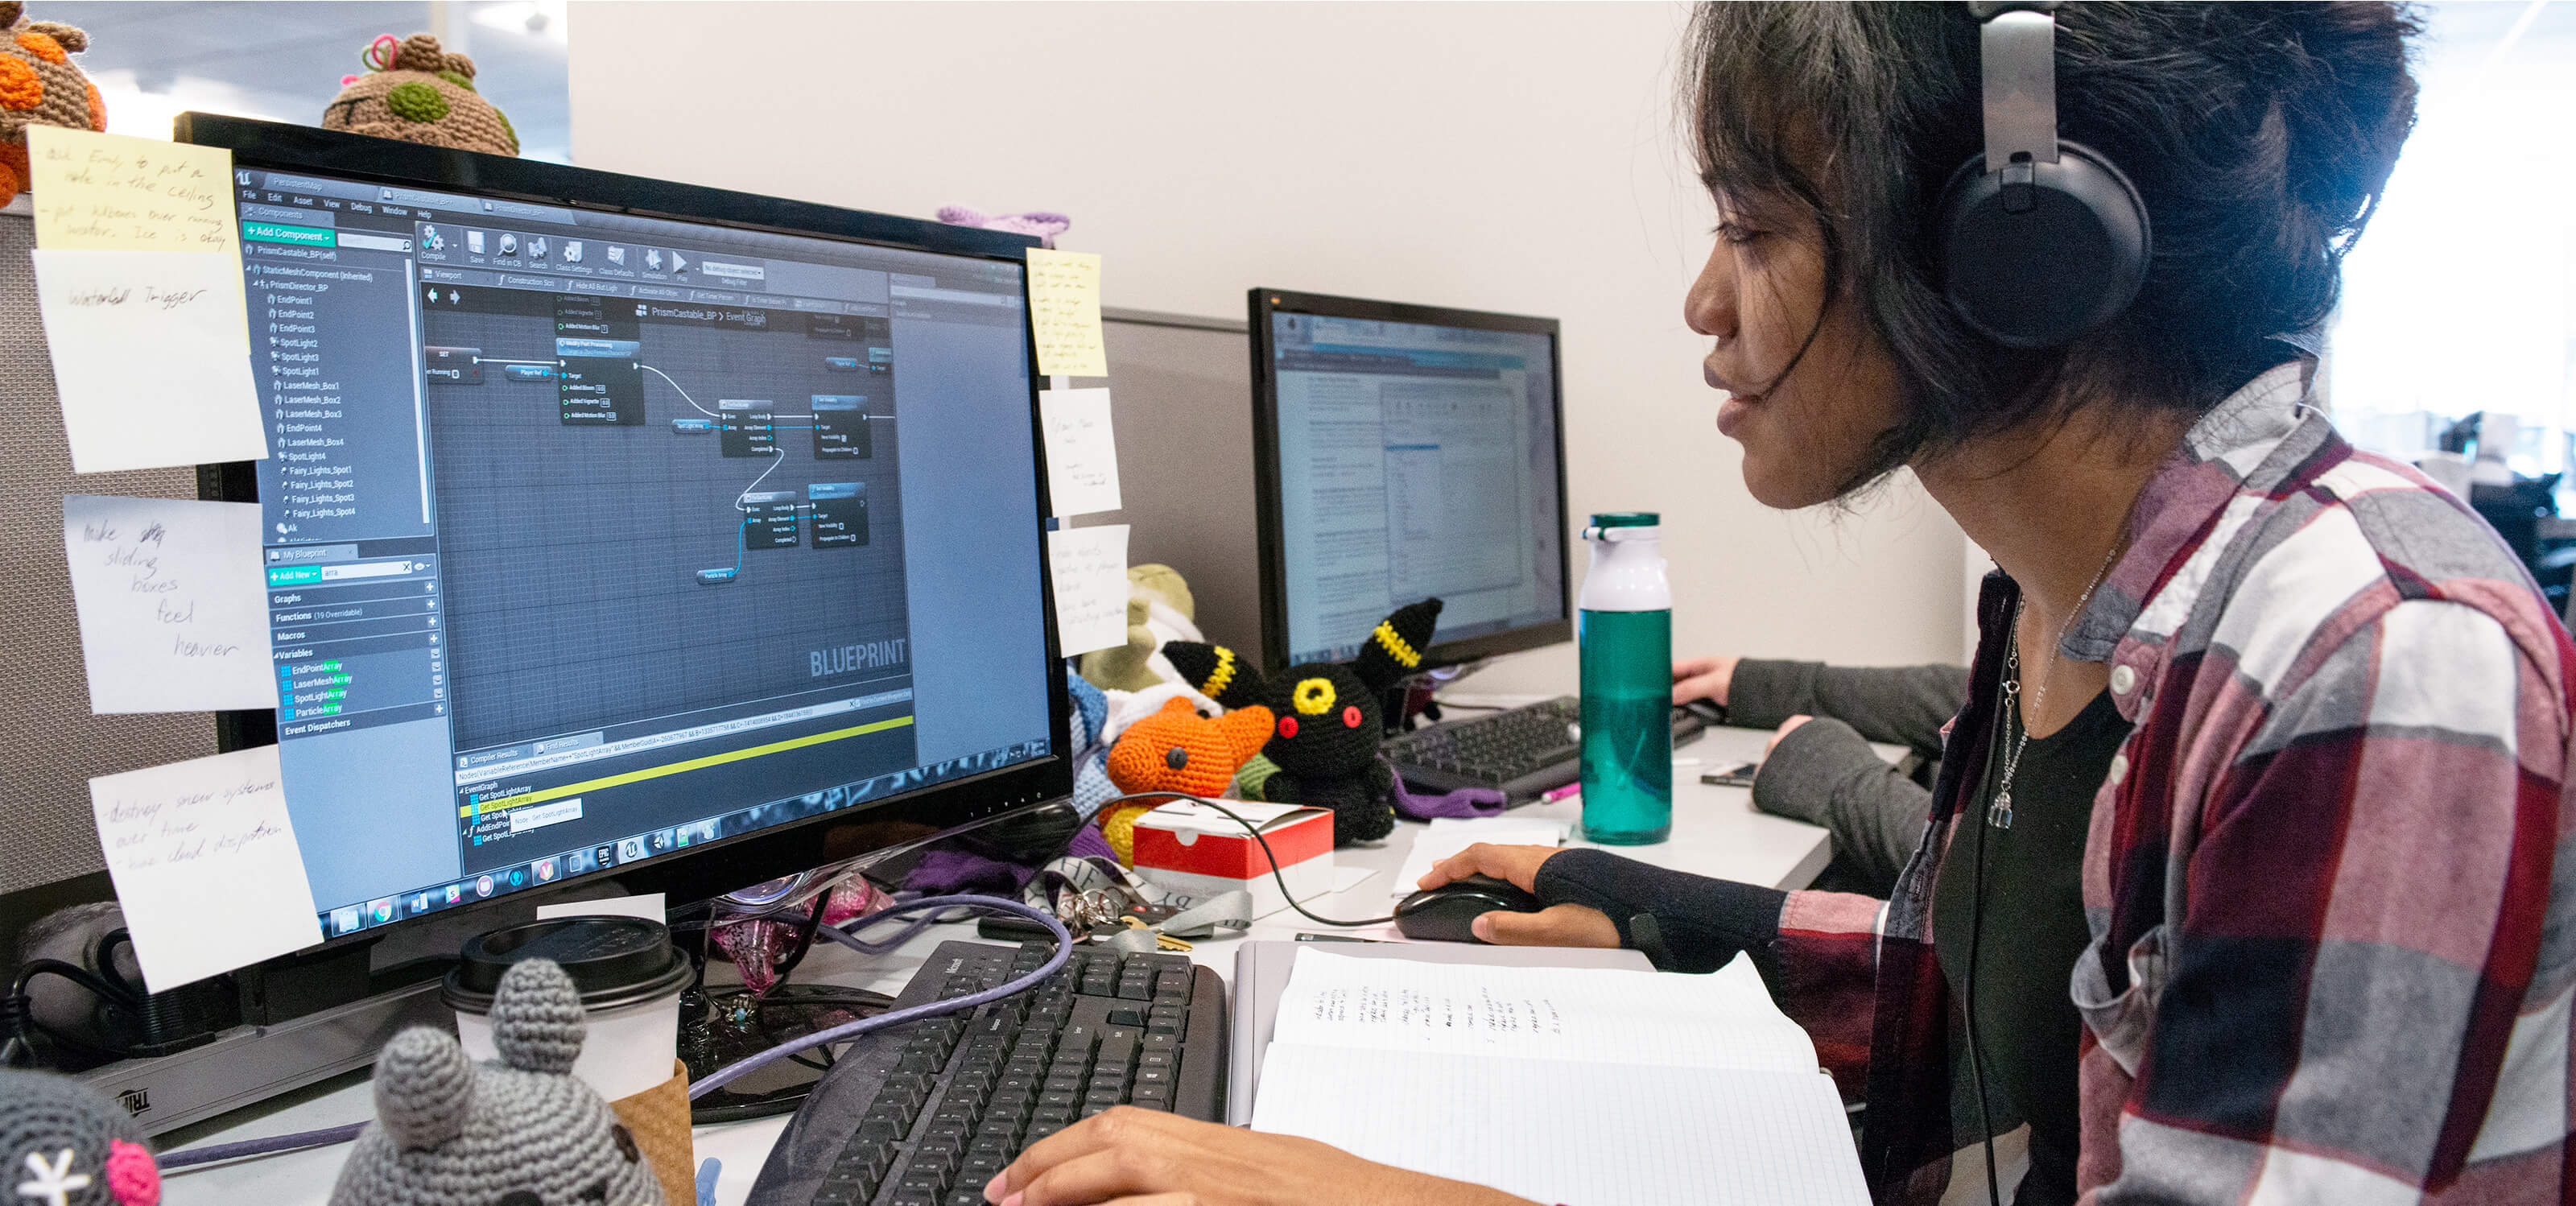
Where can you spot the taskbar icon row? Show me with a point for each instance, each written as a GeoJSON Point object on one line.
{"type": "Point", "coordinates": [384, 910]}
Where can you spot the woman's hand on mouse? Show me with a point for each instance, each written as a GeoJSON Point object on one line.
{"type": "Point", "coordinates": [1557, 925]}
{"type": "Point", "coordinates": [1132, 1157]}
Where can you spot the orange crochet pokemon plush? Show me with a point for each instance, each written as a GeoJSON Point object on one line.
{"type": "Point", "coordinates": [1177, 749]}
{"type": "Point", "coordinates": [416, 92]}
{"type": "Point", "coordinates": [39, 86]}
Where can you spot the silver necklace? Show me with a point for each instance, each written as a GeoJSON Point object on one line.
{"type": "Point", "coordinates": [1999, 813]}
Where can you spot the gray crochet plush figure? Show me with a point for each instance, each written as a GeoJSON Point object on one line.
{"type": "Point", "coordinates": [61, 1144]}
{"type": "Point", "coordinates": [518, 1132]}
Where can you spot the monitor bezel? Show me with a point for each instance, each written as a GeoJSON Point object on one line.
{"type": "Point", "coordinates": [1261, 304]}
{"type": "Point", "coordinates": [742, 860]}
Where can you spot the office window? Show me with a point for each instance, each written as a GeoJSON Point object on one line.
{"type": "Point", "coordinates": [2462, 296]}
{"type": "Point", "coordinates": [281, 60]}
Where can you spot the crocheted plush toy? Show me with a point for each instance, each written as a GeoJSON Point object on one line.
{"type": "Point", "coordinates": [1329, 720]}
{"type": "Point", "coordinates": [62, 1144]}
{"type": "Point", "coordinates": [1046, 226]}
{"type": "Point", "coordinates": [1176, 749]}
{"type": "Point", "coordinates": [416, 92]}
{"type": "Point", "coordinates": [1159, 611]}
{"type": "Point", "coordinates": [520, 1131]}
{"type": "Point", "coordinates": [39, 86]}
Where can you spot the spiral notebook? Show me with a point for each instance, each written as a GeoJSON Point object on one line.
{"type": "Point", "coordinates": [1588, 1086]}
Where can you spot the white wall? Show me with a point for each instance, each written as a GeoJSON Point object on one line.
{"type": "Point", "coordinates": [1517, 157]}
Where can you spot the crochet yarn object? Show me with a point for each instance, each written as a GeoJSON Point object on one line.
{"type": "Point", "coordinates": [520, 1131]}
{"type": "Point", "coordinates": [1159, 611]}
{"type": "Point", "coordinates": [39, 86]}
{"type": "Point", "coordinates": [1046, 226]}
{"type": "Point", "coordinates": [1176, 749]}
{"type": "Point", "coordinates": [62, 1144]}
{"type": "Point", "coordinates": [1329, 720]}
{"type": "Point", "coordinates": [415, 92]}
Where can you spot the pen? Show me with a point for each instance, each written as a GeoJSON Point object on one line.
{"type": "Point", "coordinates": [1334, 938]}
{"type": "Point", "coordinates": [1554, 794]}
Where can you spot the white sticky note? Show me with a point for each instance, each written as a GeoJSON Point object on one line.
{"type": "Point", "coordinates": [1082, 451]}
{"type": "Point", "coordinates": [204, 860]}
{"type": "Point", "coordinates": [173, 603]}
{"type": "Point", "coordinates": [1090, 568]}
{"type": "Point", "coordinates": [151, 358]}
{"type": "Point", "coordinates": [648, 906]}
{"type": "Point", "coordinates": [1064, 313]}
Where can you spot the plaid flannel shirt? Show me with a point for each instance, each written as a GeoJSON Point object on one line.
{"type": "Point", "coordinates": [2328, 877]}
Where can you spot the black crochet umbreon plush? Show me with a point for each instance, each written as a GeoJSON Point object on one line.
{"type": "Point", "coordinates": [1329, 720]}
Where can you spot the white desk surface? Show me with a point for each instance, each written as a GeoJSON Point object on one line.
{"type": "Point", "coordinates": [1716, 832]}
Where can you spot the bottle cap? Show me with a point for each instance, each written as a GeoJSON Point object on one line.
{"type": "Point", "coordinates": [1627, 519]}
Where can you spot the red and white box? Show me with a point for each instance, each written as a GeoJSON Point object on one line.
{"type": "Point", "coordinates": [1200, 852]}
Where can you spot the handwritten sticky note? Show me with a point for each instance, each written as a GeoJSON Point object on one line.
{"type": "Point", "coordinates": [151, 358]}
{"type": "Point", "coordinates": [205, 864]}
{"type": "Point", "coordinates": [1090, 568]}
{"type": "Point", "coordinates": [1064, 312]}
{"type": "Point", "coordinates": [1081, 451]}
{"type": "Point", "coordinates": [173, 603]}
{"type": "Point", "coordinates": [109, 191]}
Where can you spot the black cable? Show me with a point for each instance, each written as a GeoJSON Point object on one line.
{"type": "Point", "coordinates": [804, 938]}
{"type": "Point", "coordinates": [18, 1024]}
{"type": "Point", "coordinates": [1968, 983]}
{"type": "Point", "coordinates": [1255, 831]}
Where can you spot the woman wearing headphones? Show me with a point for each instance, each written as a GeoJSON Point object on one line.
{"type": "Point", "coordinates": [2241, 881]}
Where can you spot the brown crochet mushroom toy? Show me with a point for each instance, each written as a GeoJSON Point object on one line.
{"type": "Point", "coordinates": [39, 86]}
{"type": "Point", "coordinates": [416, 92]}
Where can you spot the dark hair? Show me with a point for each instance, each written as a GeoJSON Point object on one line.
{"type": "Point", "coordinates": [2259, 136]}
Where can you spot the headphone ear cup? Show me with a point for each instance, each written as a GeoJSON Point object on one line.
{"type": "Point", "coordinates": [2036, 267]}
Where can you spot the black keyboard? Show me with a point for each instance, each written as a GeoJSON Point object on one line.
{"type": "Point", "coordinates": [926, 1114]}
{"type": "Point", "coordinates": [1524, 752]}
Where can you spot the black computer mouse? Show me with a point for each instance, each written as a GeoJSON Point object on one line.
{"type": "Point", "coordinates": [1448, 913]}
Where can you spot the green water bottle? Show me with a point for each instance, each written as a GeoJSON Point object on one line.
{"type": "Point", "coordinates": [1626, 639]}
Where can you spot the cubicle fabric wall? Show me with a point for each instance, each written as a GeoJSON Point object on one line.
{"type": "Point", "coordinates": [50, 745]}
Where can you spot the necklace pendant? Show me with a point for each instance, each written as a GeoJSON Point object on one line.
{"type": "Point", "coordinates": [1999, 813]}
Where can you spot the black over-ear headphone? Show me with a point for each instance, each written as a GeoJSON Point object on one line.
{"type": "Point", "coordinates": [2040, 240]}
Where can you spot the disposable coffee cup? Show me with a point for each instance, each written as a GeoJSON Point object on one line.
{"type": "Point", "coordinates": [630, 978]}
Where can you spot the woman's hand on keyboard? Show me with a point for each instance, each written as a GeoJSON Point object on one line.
{"type": "Point", "coordinates": [1706, 678]}
{"type": "Point", "coordinates": [1557, 925]}
{"type": "Point", "coordinates": [1132, 1157]}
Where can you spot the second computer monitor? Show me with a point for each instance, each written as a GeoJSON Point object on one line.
{"type": "Point", "coordinates": [1406, 452]}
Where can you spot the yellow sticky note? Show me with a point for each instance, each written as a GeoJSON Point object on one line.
{"type": "Point", "coordinates": [108, 192]}
{"type": "Point", "coordinates": [1064, 312]}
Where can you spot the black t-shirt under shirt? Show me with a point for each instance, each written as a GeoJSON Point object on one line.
{"type": "Point", "coordinates": [2033, 931]}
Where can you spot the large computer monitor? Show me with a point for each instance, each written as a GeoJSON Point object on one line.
{"type": "Point", "coordinates": [1404, 452]}
{"type": "Point", "coordinates": [613, 524]}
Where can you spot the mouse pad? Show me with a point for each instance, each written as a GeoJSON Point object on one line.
{"type": "Point", "coordinates": [1261, 974]}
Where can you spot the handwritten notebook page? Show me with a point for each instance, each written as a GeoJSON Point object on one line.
{"type": "Point", "coordinates": [1557, 1131]}
{"type": "Point", "coordinates": [1590, 1086]}
{"type": "Point", "coordinates": [1590, 1015]}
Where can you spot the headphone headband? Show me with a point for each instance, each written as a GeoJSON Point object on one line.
{"type": "Point", "coordinates": [2039, 239]}
{"type": "Point", "coordinates": [2019, 63]}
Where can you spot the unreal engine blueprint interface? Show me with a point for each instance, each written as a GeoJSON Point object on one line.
{"type": "Point", "coordinates": [591, 536]}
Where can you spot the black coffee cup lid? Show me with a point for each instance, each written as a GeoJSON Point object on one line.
{"type": "Point", "coordinates": [614, 961]}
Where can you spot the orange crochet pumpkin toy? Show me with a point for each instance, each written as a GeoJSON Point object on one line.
{"type": "Point", "coordinates": [1177, 749]}
{"type": "Point", "coordinates": [39, 86]}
